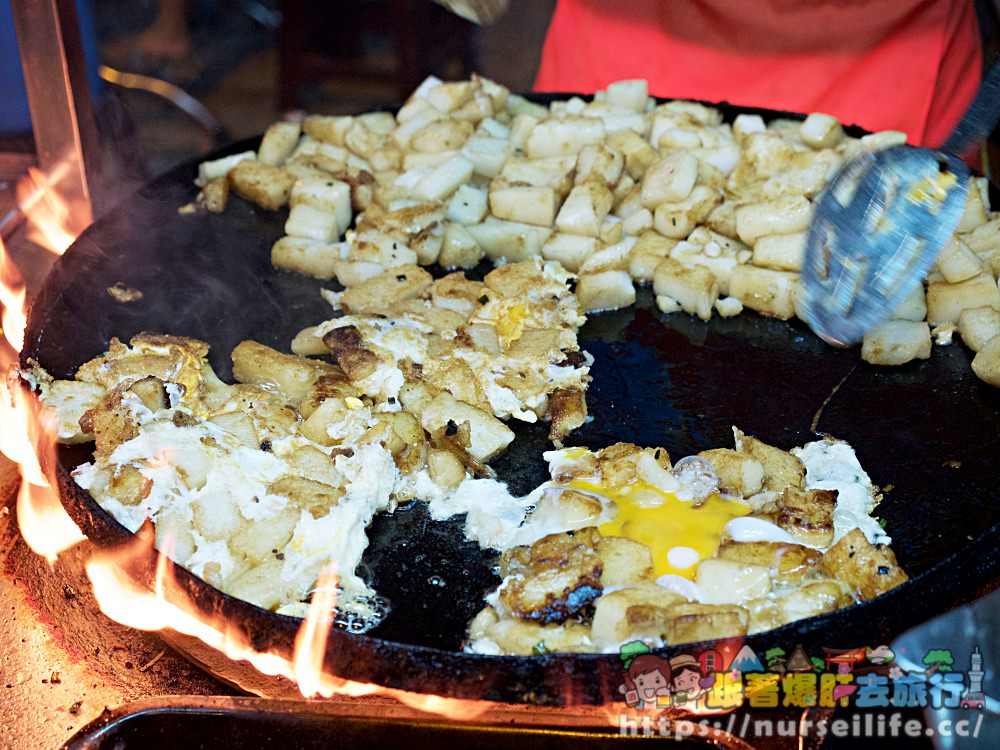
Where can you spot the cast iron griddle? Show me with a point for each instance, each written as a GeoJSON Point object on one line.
{"type": "Point", "coordinates": [929, 429]}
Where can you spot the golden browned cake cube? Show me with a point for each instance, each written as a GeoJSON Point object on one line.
{"type": "Point", "coordinates": [808, 515]}
{"type": "Point", "coordinates": [868, 569]}
{"type": "Point", "coordinates": [691, 621]}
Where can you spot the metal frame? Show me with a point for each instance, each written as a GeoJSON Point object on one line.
{"type": "Point", "coordinates": [59, 97]}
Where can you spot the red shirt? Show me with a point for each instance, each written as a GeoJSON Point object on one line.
{"type": "Point", "coordinates": [910, 65]}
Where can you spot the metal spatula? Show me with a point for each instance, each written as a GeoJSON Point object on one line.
{"type": "Point", "coordinates": [882, 221]}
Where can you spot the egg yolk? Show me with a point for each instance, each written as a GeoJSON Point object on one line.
{"type": "Point", "coordinates": [678, 534]}
{"type": "Point", "coordinates": [188, 374]}
{"type": "Point", "coordinates": [510, 324]}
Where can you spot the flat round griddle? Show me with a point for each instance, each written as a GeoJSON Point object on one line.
{"type": "Point", "coordinates": [930, 430]}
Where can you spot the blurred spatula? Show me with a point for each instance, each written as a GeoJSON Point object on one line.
{"type": "Point", "coordinates": [882, 221]}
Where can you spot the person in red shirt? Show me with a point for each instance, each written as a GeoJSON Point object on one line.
{"type": "Point", "coordinates": [910, 65]}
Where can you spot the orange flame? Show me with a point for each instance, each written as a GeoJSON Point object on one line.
{"type": "Point", "coordinates": [310, 642]}
{"type": "Point", "coordinates": [51, 223]}
{"type": "Point", "coordinates": [28, 437]}
{"type": "Point", "coordinates": [168, 605]}
{"type": "Point", "coordinates": [12, 299]}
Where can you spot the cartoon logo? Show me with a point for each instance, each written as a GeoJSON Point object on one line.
{"type": "Point", "coordinates": [974, 696]}
{"type": "Point", "coordinates": [689, 681]}
{"type": "Point", "coordinates": [647, 677]}
{"type": "Point", "coordinates": [880, 655]}
{"type": "Point", "coordinates": [725, 677]}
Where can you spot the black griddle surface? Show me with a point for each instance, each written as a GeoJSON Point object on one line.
{"type": "Point", "coordinates": [929, 430]}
